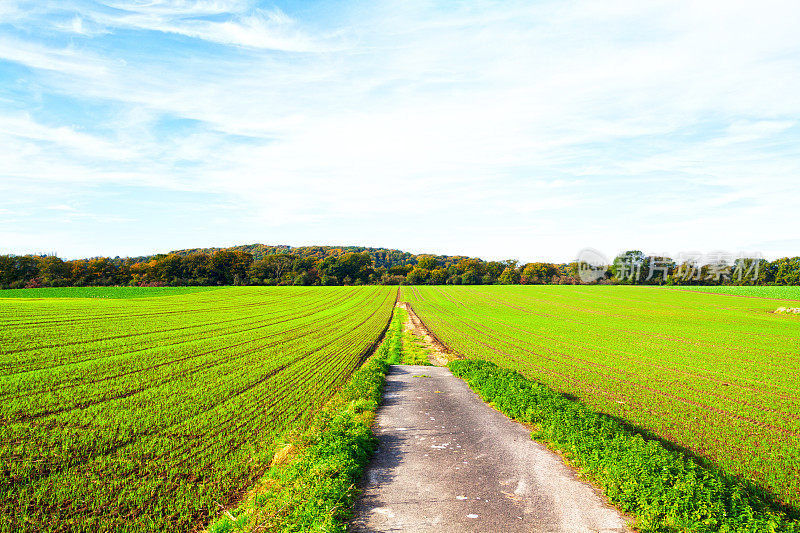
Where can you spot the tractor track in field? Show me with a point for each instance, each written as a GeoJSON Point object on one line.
{"type": "Point", "coordinates": [439, 353]}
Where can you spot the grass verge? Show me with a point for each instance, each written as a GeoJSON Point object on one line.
{"type": "Point", "coordinates": [412, 350]}
{"type": "Point", "coordinates": [665, 490]}
{"type": "Point", "coordinates": [311, 483]}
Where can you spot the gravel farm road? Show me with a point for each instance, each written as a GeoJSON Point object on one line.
{"type": "Point", "coordinates": [447, 462]}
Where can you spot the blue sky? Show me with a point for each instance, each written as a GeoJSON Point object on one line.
{"type": "Point", "coordinates": [521, 130]}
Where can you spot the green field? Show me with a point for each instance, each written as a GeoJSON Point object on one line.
{"type": "Point", "coordinates": [144, 414]}
{"type": "Point", "coordinates": [786, 292]}
{"type": "Point", "coordinates": [101, 292]}
{"type": "Point", "coordinates": [140, 409]}
{"type": "Point", "coordinates": [714, 374]}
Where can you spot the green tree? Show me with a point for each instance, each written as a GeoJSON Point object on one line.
{"type": "Point", "coordinates": [427, 262]}
{"type": "Point", "coordinates": [418, 276]}
{"type": "Point", "coordinates": [437, 276]}
{"type": "Point", "coordinates": [787, 270]}
{"type": "Point", "coordinates": [510, 276]}
{"type": "Point", "coordinates": [54, 272]}
{"type": "Point", "coordinates": [227, 267]}
{"type": "Point", "coordinates": [470, 278]}
{"type": "Point", "coordinates": [655, 270]}
{"type": "Point", "coordinates": [627, 267]}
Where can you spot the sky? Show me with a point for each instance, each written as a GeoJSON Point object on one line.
{"type": "Point", "coordinates": [525, 130]}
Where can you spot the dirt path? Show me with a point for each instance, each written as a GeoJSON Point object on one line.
{"type": "Point", "coordinates": [447, 462]}
{"type": "Point", "coordinates": [438, 353]}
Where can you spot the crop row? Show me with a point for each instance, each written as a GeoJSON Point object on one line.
{"type": "Point", "coordinates": [153, 435]}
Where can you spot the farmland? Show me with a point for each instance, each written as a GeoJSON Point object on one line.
{"type": "Point", "coordinates": [783, 292]}
{"type": "Point", "coordinates": [714, 374]}
{"type": "Point", "coordinates": [147, 413]}
{"type": "Point", "coordinates": [115, 293]}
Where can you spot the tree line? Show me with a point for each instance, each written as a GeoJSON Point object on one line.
{"type": "Point", "coordinates": [636, 268]}
{"type": "Point", "coordinates": [236, 267]}
{"type": "Point", "coordinates": [340, 267]}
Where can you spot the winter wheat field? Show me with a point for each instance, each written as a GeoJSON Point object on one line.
{"type": "Point", "coordinates": [151, 409]}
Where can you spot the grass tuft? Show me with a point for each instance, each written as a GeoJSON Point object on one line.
{"type": "Point", "coordinates": [412, 350]}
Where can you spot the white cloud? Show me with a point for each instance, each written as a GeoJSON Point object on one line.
{"type": "Point", "coordinates": [182, 8]}
{"type": "Point", "coordinates": [67, 60]}
{"type": "Point", "coordinates": [81, 144]}
{"type": "Point", "coordinates": [254, 28]}
{"type": "Point", "coordinates": [267, 30]}
{"type": "Point", "coordinates": [79, 26]}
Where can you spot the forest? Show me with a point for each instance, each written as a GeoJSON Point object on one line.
{"type": "Point", "coordinates": [327, 265]}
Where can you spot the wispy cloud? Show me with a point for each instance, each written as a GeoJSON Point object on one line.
{"type": "Point", "coordinates": [67, 59]}
{"type": "Point", "coordinates": [80, 26]}
{"type": "Point", "coordinates": [76, 142]}
{"type": "Point", "coordinates": [182, 8]}
{"type": "Point", "coordinates": [269, 29]}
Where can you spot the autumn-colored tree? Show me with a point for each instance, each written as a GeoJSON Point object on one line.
{"type": "Point", "coordinates": [510, 276]}
{"type": "Point", "coordinates": [536, 273]}
{"type": "Point", "coordinates": [428, 262]}
{"type": "Point", "coordinates": [437, 276]}
{"type": "Point", "coordinates": [418, 276]}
